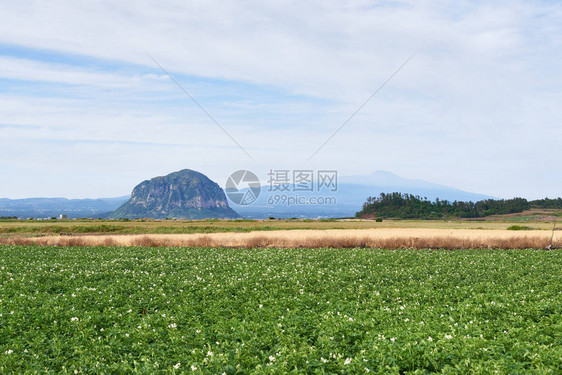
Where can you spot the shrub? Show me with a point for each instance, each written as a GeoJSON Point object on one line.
{"type": "Point", "coordinates": [519, 227]}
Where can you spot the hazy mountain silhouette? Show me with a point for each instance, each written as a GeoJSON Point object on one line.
{"type": "Point", "coordinates": [352, 192]}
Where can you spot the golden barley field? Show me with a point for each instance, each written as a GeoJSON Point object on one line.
{"type": "Point", "coordinates": [392, 238]}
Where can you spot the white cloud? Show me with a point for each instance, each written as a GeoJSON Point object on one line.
{"type": "Point", "coordinates": [477, 107]}
{"type": "Point", "coordinates": [29, 70]}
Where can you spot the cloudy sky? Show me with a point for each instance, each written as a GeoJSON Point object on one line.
{"type": "Point", "coordinates": [85, 111]}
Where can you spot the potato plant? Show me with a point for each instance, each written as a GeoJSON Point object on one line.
{"type": "Point", "coordinates": [273, 311]}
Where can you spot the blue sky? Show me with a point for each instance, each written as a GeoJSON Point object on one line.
{"type": "Point", "coordinates": [86, 113]}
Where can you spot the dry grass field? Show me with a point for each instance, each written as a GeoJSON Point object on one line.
{"type": "Point", "coordinates": [390, 238]}
{"type": "Point", "coordinates": [283, 233]}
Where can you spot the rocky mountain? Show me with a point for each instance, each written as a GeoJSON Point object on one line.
{"type": "Point", "coordinates": [185, 194]}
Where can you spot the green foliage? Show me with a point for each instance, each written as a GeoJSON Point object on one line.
{"type": "Point", "coordinates": [546, 203]}
{"type": "Point", "coordinates": [519, 227]}
{"type": "Point", "coordinates": [378, 220]}
{"type": "Point", "coordinates": [195, 310]}
{"type": "Point", "coordinates": [407, 206]}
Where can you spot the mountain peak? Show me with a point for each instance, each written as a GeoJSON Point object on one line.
{"type": "Point", "coordinates": [185, 194]}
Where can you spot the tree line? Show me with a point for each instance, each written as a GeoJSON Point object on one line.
{"type": "Point", "coordinates": [408, 206]}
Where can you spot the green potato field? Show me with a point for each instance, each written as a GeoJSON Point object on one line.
{"type": "Point", "coordinates": [123, 310]}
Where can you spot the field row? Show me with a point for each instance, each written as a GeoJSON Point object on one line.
{"type": "Point", "coordinates": [388, 238]}
{"type": "Point", "coordinates": [218, 310]}
{"type": "Point", "coordinates": [24, 227]}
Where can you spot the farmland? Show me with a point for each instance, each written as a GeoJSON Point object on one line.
{"type": "Point", "coordinates": [215, 310]}
{"type": "Point", "coordinates": [147, 226]}
{"type": "Point", "coordinates": [284, 233]}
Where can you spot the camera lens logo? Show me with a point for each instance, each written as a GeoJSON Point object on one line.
{"type": "Point", "coordinates": [243, 187]}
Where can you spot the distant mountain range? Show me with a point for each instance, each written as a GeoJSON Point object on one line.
{"type": "Point", "coordinates": [49, 207]}
{"type": "Point", "coordinates": [351, 193]}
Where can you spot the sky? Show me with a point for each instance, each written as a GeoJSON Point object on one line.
{"type": "Point", "coordinates": [86, 112]}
